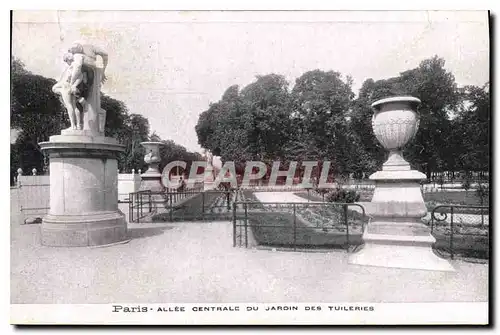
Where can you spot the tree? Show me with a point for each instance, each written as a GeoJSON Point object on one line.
{"type": "Point", "coordinates": [472, 129]}
{"type": "Point", "coordinates": [370, 153]}
{"type": "Point", "coordinates": [431, 149]}
{"type": "Point", "coordinates": [36, 113]}
{"type": "Point", "coordinates": [134, 130]}
{"type": "Point", "coordinates": [319, 119]}
{"type": "Point", "coordinates": [321, 101]}
{"type": "Point", "coordinates": [223, 120]}
{"type": "Point", "coordinates": [171, 151]}
{"type": "Point", "coordinates": [266, 116]}
{"type": "Point", "coordinates": [255, 119]}
{"type": "Point", "coordinates": [436, 88]}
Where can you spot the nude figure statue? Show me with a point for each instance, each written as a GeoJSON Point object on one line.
{"type": "Point", "coordinates": [77, 80]}
{"type": "Point", "coordinates": [73, 89]}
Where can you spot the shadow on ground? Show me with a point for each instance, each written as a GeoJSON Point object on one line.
{"type": "Point", "coordinates": [140, 232]}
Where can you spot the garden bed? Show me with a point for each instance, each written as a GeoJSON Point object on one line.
{"type": "Point", "coordinates": [470, 245]}
{"type": "Point", "coordinates": [277, 229]}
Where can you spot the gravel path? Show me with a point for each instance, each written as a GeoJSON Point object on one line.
{"type": "Point", "coordinates": [280, 197]}
{"type": "Point", "coordinates": [195, 262]}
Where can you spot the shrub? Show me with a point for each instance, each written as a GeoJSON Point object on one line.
{"type": "Point", "coordinates": [466, 184]}
{"type": "Point", "coordinates": [343, 195]}
{"type": "Point", "coordinates": [322, 192]}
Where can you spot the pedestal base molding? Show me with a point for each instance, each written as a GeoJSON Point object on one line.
{"type": "Point", "coordinates": [85, 230]}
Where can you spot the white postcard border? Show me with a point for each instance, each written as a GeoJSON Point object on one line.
{"type": "Point", "coordinates": [456, 313]}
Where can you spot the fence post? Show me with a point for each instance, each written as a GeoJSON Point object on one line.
{"type": "Point", "coordinates": [451, 234]}
{"type": "Point", "coordinates": [19, 173]}
{"type": "Point", "coordinates": [130, 215]}
{"type": "Point", "coordinates": [432, 219]}
{"type": "Point", "coordinates": [294, 228]}
{"type": "Point", "coordinates": [131, 207]}
{"type": "Point", "coordinates": [246, 226]}
{"type": "Point", "coordinates": [150, 204]}
{"type": "Point", "coordinates": [171, 207]}
{"type": "Point", "coordinates": [482, 217]}
{"type": "Point", "coordinates": [346, 227]}
{"type": "Point", "coordinates": [137, 206]}
{"type": "Point", "coordinates": [234, 224]}
{"type": "Point", "coordinates": [203, 205]}
{"type": "Point", "coordinates": [140, 197]}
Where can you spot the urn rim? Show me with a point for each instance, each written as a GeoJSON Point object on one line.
{"type": "Point", "coordinates": [377, 104]}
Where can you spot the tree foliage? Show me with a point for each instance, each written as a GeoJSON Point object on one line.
{"type": "Point", "coordinates": [321, 119]}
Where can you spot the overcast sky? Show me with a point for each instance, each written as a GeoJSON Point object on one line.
{"type": "Point", "coordinates": [168, 66]}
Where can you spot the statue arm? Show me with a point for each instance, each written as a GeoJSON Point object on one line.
{"type": "Point", "coordinates": [104, 55]}
{"type": "Point", "coordinates": [76, 82]}
{"type": "Point", "coordinates": [59, 83]}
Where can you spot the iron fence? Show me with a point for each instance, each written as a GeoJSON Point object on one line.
{"type": "Point", "coordinates": [459, 177]}
{"type": "Point", "coordinates": [461, 230]}
{"type": "Point", "coordinates": [33, 196]}
{"type": "Point", "coordinates": [298, 225]}
{"type": "Point", "coordinates": [180, 205]}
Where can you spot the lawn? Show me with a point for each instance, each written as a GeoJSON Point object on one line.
{"type": "Point", "coordinates": [313, 226]}
{"type": "Point", "coordinates": [282, 229]}
{"type": "Point", "coordinates": [468, 198]}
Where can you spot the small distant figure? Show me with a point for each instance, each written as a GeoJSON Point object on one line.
{"type": "Point", "coordinates": [182, 184]}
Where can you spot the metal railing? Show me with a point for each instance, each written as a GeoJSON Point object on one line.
{"type": "Point", "coordinates": [180, 205]}
{"type": "Point", "coordinates": [298, 225]}
{"type": "Point", "coordinates": [465, 227]}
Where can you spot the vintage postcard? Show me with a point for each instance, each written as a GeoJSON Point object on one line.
{"type": "Point", "coordinates": [250, 167]}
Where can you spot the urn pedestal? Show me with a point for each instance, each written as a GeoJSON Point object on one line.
{"type": "Point", "coordinates": [151, 180]}
{"type": "Point", "coordinates": [396, 236]}
{"type": "Point", "coordinates": [208, 178]}
{"type": "Point", "coordinates": [83, 191]}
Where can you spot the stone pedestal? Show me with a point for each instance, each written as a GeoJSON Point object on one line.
{"type": "Point", "coordinates": [396, 236]}
{"type": "Point", "coordinates": [83, 191]}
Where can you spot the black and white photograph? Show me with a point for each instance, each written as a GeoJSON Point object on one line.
{"type": "Point", "coordinates": [218, 167]}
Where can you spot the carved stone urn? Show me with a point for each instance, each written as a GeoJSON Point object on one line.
{"type": "Point", "coordinates": [396, 236]}
{"type": "Point", "coordinates": [152, 157]}
{"type": "Point", "coordinates": [395, 122]}
{"type": "Point", "coordinates": [151, 179]}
